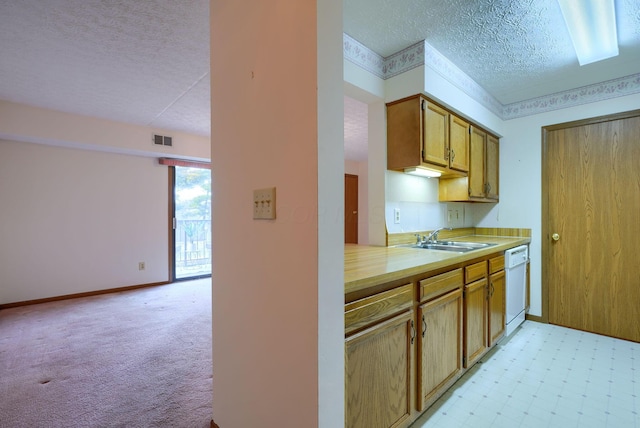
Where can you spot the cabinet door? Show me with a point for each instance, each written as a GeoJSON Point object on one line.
{"type": "Point", "coordinates": [439, 345]}
{"type": "Point", "coordinates": [476, 163]}
{"type": "Point", "coordinates": [475, 321]}
{"type": "Point", "coordinates": [458, 144]}
{"type": "Point", "coordinates": [379, 374]}
{"type": "Point", "coordinates": [491, 168]}
{"type": "Point", "coordinates": [497, 307]}
{"type": "Point", "coordinates": [435, 134]}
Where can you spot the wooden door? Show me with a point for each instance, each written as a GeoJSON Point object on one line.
{"type": "Point", "coordinates": [439, 345]}
{"type": "Point", "coordinates": [458, 143]}
{"type": "Point", "coordinates": [379, 374]}
{"type": "Point", "coordinates": [350, 209]}
{"type": "Point", "coordinates": [436, 134]}
{"type": "Point", "coordinates": [591, 225]}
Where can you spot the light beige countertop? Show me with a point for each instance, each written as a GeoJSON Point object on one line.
{"type": "Point", "coordinates": [368, 266]}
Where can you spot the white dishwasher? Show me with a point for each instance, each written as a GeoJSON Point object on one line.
{"type": "Point", "coordinates": [515, 261]}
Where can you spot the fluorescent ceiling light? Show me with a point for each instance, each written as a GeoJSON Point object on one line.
{"type": "Point", "coordinates": [592, 25]}
{"type": "Point", "coordinates": [422, 172]}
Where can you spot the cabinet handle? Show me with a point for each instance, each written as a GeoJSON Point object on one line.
{"type": "Point", "coordinates": [488, 187]}
{"type": "Point", "coordinates": [446, 153]}
{"type": "Point", "coordinates": [424, 326]}
{"type": "Point", "coordinates": [453, 155]}
{"type": "Point", "coordinates": [413, 332]}
{"type": "Point", "coordinates": [493, 289]}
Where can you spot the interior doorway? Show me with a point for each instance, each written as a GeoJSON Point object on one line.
{"type": "Point", "coordinates": [192, 223]}
{"type": "Point", "coordinates": [350, 209]}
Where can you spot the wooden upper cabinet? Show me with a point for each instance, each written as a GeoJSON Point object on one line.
{"type": "Point", "coordinates": [481, 184]}
{"type": "Point", "coordinates": [458, 143]}
{"type": "Point", "coordinates": [421, 133]}
{"type": "Point", "coordinates": [436, 129]}
{"type": "Point", "coordinates": [476, 173]}
{"type": "Point", "coordinates": [492, 167]}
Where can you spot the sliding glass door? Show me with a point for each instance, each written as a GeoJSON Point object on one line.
{"type": "Point", "coordinates": [192, 222]}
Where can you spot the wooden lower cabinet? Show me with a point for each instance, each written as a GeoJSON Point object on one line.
{"type": "Point", "coordinates": [497, 299]}
{"type": "Point", "coordinates": [379, 374]}
{"type": "Point", "coordinates": [475, 321]}
{"type": "Point", "coordinates": [404, 347]}
{"type": "Point", "coordinates": [439, 346]}
{"type": "Point", "coordinates": [380, 359]}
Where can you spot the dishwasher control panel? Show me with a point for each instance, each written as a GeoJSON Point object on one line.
{"type": "Point", "coordinates": [516, 256]}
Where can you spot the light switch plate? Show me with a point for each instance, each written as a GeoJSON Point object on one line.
{"type": "Point", "coordinates": [264, 204]}
{"type": "Point", "coordinates": [455, 215]}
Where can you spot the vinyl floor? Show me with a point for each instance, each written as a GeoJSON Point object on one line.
{"type": "Point", "coordinates": [546, 376]}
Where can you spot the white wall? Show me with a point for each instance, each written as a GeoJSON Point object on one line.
{"type": "Point", "coordinates": [83, 200]}
{"type": "Point", "coordinates": [521, 177]}
{"type": "Point", "coordinates": [278, 285]}
{"type": "Point", "coordinates": [368, 88]}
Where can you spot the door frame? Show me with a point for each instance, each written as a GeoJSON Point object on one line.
{"type": "Point", "coordinates": [545, 229]}
{"type": "Point", "coordinates": [171, 164]}
{"type": "Point", "coordinates": [171, 239]}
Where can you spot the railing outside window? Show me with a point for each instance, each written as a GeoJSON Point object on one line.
{"type": "Point", "coordinates": [193, 248]}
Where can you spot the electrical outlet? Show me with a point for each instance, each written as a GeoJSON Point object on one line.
{"type": "Point", "coordinates": [141, 265]}
{"type": "Point", "coordinates": [264, 203]}
{"type": "Point", "coordinates": [396, 215]}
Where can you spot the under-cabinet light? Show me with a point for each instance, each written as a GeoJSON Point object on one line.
{"type": "Point", "coordinates": [422, 172]}
{"type": "Point", "coordinates": [592, 26]}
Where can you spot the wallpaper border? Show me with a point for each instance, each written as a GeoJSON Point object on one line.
{"type": "Point", "coordinates": [422, 53]}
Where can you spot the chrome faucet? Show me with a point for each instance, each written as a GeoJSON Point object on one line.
{"type": "Point", "coordinates": [433, 236]}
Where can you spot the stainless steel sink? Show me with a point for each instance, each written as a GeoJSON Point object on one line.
{"type": "Point", "coordinates": [474, 245]}
{"type": "Point", "coordinates": [453, 246]}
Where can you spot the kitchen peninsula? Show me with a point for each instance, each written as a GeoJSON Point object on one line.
{"type": "Point", "coordinates": [417, 319]}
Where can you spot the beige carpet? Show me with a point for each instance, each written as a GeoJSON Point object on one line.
{"type": "Point", "coordinates": [139, 358]}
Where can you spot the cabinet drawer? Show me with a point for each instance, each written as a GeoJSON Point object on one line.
{"type": "Point", "coordinates": [440, 284]}
{"type": "Point", "coordinates": [374, 308]}
{"type": "Point", "coordinates": [475, 271]}
{"type": "Point", "coordinates": [496, 264]}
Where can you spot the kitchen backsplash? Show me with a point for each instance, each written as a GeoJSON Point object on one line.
{"type": "Point", "coordinates": [412, 205]}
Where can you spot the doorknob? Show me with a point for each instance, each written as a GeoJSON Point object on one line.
{"type": "Point", "coordinates": [555, 237]}
{"type": "Point", "coordinates": [355, 212]}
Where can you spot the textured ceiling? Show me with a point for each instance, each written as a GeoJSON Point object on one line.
{"type": "Point", "coordinates": [141, 62]}
{"type": "Point", "coordinates": [515, 49]}
{"type": "Point", "coordinates": [147, 61]}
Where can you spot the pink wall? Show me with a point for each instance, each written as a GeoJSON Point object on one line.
{"type": "Point", "coordinates": [266, 286]}
{"type": "Point", "coordinates": [82, 207]}
{"type": "Point", "coordinates": [75, 221]}
{"type": "Point", "coordinates": [19, 122]}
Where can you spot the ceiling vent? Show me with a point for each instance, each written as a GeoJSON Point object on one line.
{"type": "Point", "coordinates": [162, 140]}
